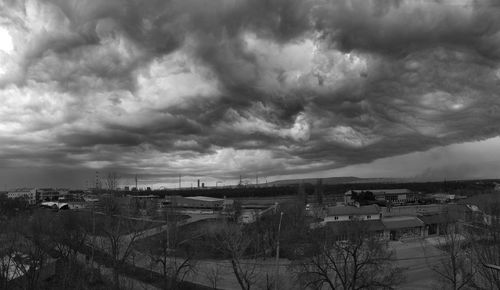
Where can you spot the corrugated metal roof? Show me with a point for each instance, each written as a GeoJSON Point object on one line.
{"type": "Point", "coordinates": [352, 210]}
{"type": "Point", "coordinates": [395, 223]}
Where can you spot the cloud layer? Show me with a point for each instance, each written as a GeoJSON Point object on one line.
{"type": "Point", "coordinates": [162, 88]}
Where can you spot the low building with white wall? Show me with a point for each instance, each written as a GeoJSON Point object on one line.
{"type": "Point", "coordinates": [347, 213]}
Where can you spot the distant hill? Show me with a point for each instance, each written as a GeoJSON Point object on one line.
{"type": "Point", "coordinates": [337, 180]}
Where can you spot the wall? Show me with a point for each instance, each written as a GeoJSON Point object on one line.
{"type": "Point", "coordinates": [411, 210]}
{"type": "Point", "coordinates": [357, 217]}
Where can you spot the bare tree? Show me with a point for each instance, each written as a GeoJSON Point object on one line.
{"type": "Point", "coordinates": [455, 269]}
{"type": "Point", "coordinates": [349, 257]}
{"type": "Point", "coordinates": [69, 235]}
{"type": "Point", "coordinates": [33, 247]}
{"type": "Point", "coordinates": [166, 250]}
{"type": "Point", "coordinates": [112, 180]}
{"type": "Point", "coordinates": [110, 205]}
{"type": "Point", "coordinates": [213, 275]}
{"type": "Point", "coordinates": [485, 246]}
{"type": "Point", "coordinates": [233, 241]}
{"type": "Point", "coordinates": [10, 239]}
{"type": "Point", "coordinates": [119, 236]}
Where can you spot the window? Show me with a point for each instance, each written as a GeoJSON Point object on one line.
{"type": "Point", "coordinates": [336, 218]}
{"type": "Point", "coordinates": [350, 217]}
{"type": "Point", "coordinates": [368, 217]}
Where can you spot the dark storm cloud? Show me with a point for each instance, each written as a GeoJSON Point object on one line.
{"type": "Point", "coordinates": [171, 86]}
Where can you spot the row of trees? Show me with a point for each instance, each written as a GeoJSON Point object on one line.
{"type": "Point", "coordinates": [349, 257]}
{"type": "Point", "coordinates": [353, 258]}
{"type": "Point", "coordinates": [472, 250]}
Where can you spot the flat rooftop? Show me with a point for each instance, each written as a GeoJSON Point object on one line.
{"type": "Point", "coordinates": [401, 222]}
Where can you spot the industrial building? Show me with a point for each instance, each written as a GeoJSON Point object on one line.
{"type": "Point", "coordinates": [30, 195]}
{"type": "Point", "coordinates": [412, 222]}
{"type": "Point", "coordinates": [47, 194]}
{"type": "Point", "coordinates": [197, 203]}
{"type": "Point", "coordinates": [395, 196]}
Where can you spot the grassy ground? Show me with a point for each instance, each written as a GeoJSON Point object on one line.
{"type": "Point", "coordinates": [122, 224]}
{"type": "Point", "coordinates": [193, 234]}
{"type": "Point", "coordinates": [140, 274]}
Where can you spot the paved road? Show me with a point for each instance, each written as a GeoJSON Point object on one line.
{"type": "Point", "coordinates": [125, 281]}
{"type": "Point", "coordinates": [417, 257]}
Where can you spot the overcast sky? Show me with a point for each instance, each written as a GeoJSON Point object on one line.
{"type": "Point", "coordinates": [222, 88]}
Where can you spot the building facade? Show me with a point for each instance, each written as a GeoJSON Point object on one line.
{"type": "Point", "coordinates": [394, 196]}
{"type": "Point", "coordinates": [347, 213]}
{"type": "Point", "coordinates": [30, 195]}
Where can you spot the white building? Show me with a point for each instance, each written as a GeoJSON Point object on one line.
{"type": "Point", "coordinates": [28, 194]}
{"type": "Point", "coordinates": [347, 213]}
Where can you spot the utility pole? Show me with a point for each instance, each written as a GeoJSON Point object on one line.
{"type": "Point", "coordinates": [278, 255]}
{"type": "Point", "coordinates": [93, 243]}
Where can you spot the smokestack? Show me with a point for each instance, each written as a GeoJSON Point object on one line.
{"type": "Point", "coordinates": [198, 183]}
{"type": "Point", "coordinates": [203, 185]}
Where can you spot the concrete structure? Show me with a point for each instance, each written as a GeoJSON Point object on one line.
{"type": "Point", "coordinates": [395, 196]}
{"type": "Point", "coordinates": [30, 195]}
{"type": "Point", "coordinates": [347, 213]}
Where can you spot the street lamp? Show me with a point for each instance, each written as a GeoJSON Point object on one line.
{"type": "Point", "coordinates": [278, 254]}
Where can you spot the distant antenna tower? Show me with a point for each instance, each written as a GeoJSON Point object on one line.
{"type": "Point", "coordinates": [97, 180]}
